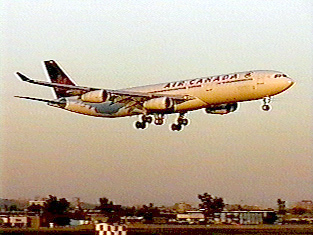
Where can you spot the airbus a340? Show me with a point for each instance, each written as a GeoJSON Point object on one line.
{"type": "Point", "coordinates": [216, 94]}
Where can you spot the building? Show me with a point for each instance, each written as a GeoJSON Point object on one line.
{"type": "Point", "coordinates": [245, 217]}
{"type": "Point", "coordinates": [191, 217]}
{"type": "Point", "coordinates": [228, 217]}
{"type": "Point", "coordinates": [36, 203]}
{"type": "Point", "coordinates": [182, 207]}
{"type": "Point", "coordinates": [16, 221]}
{"type": "Point", "coordinates": [305, 204]}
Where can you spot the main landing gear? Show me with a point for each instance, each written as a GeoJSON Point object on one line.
{"type": "Point", "coordinates": [266, 106]}
{"type": "Point", "coordinates": [181, 121]}
{"type": "Point", "coordinates": [143, 123]}
{"type": "Point", "coordinates": [159, 120]}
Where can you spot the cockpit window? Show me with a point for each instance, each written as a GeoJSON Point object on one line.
{"type": "Point", "coordinates": [280, 75]}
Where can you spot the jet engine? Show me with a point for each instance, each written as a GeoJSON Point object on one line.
{"type": "Point", "coordinates": [97, 96]}
{"type": "Point", "coordinates": [162, 103]}
{"type": "Point", "coordinates": [222, 109]}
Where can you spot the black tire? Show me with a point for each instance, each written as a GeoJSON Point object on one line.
{"type": "Point", "coordinates": [158, 122]}
{"type": "Point", "coordinates": [148, 119]}
{"type": "Point", "coordinates": [185, 122]}
{"type": "Point", "coordinates": [139, 125]}
{"type": "Point", "coordinates": [266, 107]}
{"type": "Point", "coordinates": [176, 127]}
{"type": "Point", "coordinates": [180, 121]}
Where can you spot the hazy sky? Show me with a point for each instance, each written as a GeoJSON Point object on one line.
{"type": "Point", "coordinates": [248, 156]}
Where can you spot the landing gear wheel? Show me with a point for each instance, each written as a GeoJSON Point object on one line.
{"type": "Point", "coordinates": [182, 120]}
{"type": "Point", "coordinates": [140, 125]}
{"type": "Point", "coordinates": [266, 107]}
{"type": "Point", "coordinates": [185, 122]}
{"type": "Point", "coordinates": [176, 127]}
{"type": "Point", "coordinates": [158, 119]}
{"type": "Point", "coordinates": [147, 119]}
{"type": "Point", "coordinates": [158, 122]}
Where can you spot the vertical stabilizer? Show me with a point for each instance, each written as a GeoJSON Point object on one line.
{"type": "Point", "coordinates": [56, 75]}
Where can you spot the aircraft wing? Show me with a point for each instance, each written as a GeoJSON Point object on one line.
{"type": "Point", "coordinates": [122, 94]}
{"type": "Point", "coordinates": [51, 84]}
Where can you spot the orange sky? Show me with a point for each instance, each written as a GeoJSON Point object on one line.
{"type": "Point", "coordinates": [248, 156]}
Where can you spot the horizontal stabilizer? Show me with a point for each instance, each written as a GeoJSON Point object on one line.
{"type": "Point", "coordinates": [42, 100]}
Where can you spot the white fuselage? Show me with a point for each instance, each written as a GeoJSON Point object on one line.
{"type": "Point", "coordinates": [221, 89]}
{"type": "Point", "coordinates": [205, 91]}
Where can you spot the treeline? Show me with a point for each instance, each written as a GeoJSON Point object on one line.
{"type": "Point", "coordinates": [58, 211]}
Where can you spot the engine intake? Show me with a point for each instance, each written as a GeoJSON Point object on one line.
{"type": "Point", "coordinates": [161, 104]}
{"type": "Point", "coordinates": [97, 96]}
{"type": "Point", "coordinates": [222, 109]}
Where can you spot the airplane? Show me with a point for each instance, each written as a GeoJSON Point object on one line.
{"type": "Point", "coordinates": [215, 94]}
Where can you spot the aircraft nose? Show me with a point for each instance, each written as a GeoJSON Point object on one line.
{"type": "Point", "coordinates": [287, 82]}
{"type": "Point", "coordinates": [290, 81]}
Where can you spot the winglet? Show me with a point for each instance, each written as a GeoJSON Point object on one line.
{"type": "Point", "coordinates": [23, 77]}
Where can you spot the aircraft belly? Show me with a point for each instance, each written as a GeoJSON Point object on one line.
{"type": "Point", "coordinates": [107, 109]}
{"type": "Point", "coordinates": [191, 105]}
{"type": "Point", "coordinates": [81, 107]}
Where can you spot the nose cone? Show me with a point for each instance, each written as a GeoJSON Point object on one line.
{"type": "Point", "coordinates": [285, 83]}
{"type": "Point", "coordinates": [289, 82]}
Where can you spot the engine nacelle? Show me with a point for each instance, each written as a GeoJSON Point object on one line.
{"type": "Point", "coordinates": [97, 96]}
{"type": "Point", "coordinates": [161, 104]}
{"type": "Point", "coordinates": [222, 109]}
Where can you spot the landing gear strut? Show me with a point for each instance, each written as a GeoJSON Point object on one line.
{"type": "Point", "coordinates": [266, 106]}
{"type": "Point", "coordinates": [143, 123]}
{"type": "Point", "coordinates": [181, 121]}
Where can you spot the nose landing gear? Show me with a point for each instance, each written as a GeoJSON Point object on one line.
{"type": "Point", "coordinates": [266, 106]}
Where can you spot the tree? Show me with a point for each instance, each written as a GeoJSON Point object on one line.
{"type": "Point", "coordinates": [56, 211]}
{"type": "Point", "coordinates": [281, 207]}
{"type": "Point", "coordinates": [148, 212]}
{"type": "Point", "coordinates": [114, 212]}
{"type": "Point", "coordinates": [210, 205]}
{"type": "Point", "coordinates": [14, 208]}
{"type": "Point", "coordinates": [35, 208]}
{"type": "Point", "coordinates": [55, 206]}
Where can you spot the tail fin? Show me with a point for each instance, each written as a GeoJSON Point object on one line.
{"type": "Point", "coordinates": [57, 75]}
